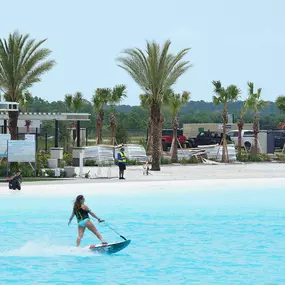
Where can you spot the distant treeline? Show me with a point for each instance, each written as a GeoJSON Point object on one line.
{"type": "Point", "coordinates": [135, 117]}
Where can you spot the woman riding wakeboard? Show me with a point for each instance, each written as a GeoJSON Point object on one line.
{"type": "Point", "coordinates": [81, 211]}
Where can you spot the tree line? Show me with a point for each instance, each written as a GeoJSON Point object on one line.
{"type": "Point", "coordinates": [23, 61]}
{"type": "Point", "coordinates": [135, 117]}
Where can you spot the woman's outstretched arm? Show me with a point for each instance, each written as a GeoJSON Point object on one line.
{"type": "Point", "coordinates": [71, 217]}
{"type": "Point", "coordinates": [92, 214]}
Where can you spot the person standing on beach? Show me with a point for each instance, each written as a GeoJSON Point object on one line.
{"type": "Point", "coordinates": [122, 160]}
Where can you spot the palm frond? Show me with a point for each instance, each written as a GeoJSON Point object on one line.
{"type": "Point", "coordinates": [118, 94]}
{"type": "Point", "coordinates": [254, 101]}
{"type": "Point", "coordinates": [100, 98]}
{"type": "Point", "coordinates": [280, 102]}
{"type": "Point", "coordinates": [250, 87]}
{"type": "Point", "coordinates": [145, 100]}
{"type": "Point", "coordinates": [243, 109]}
{"type": "Point", "coordinates": [77, 101]}
{"type": "Point", "coordinates": [176, 101]}
{"type": "Point", "coordinates": [154, 70]}
{"type": "Point", "coordinates": [68, 100]}
{"type": "Point", "coordinates": [22, 63]}
{"type": "Point", "coordinates": [25, 100]}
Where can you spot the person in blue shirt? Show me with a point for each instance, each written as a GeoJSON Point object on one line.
{"type": "Point", "coordinates": [122, 163]}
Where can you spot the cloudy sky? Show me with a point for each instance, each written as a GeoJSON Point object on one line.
{"type": "Point", "coordinates": [231, 41]}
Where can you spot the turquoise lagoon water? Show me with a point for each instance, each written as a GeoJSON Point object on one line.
{"type": "Point", "coordinates": [178, 237]}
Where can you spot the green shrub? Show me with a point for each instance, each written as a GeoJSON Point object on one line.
{"type": "Point", "coordinates": [280, 157]}
{"type": "Point", "coordinates": [42, 160]}
{"type": "Point", "coordinates": [50, 172]}
{"type": "Point", "coordinates": [183, 161]}
{"type": "Point", "coordinates": [165, 160]}
{"type": "Point", "coordinates": [25, 168]}
{"type": "Point", "coordinates": [242, 157]}
{"type": "Point", "coordinates": [132, 162]}
{"type": "Point", "coordinates": [90, 162]}
{"type": "Point", "coordinates": [40, 172]}
{"type": "Point", "coordinates": [121, 134]}
{"type": "Point", "coordinates": [27, 171]}
{"type": "Point", "coordinates": [67, 158]}
{"type": "Point", "coordinates": [261, 157]}
{"type": "Point", "coordinates": [193, 160]}
{"type": "Point", "coordinates": [254, 158]}
{"type": "Point", "coordinates": [3, 169]}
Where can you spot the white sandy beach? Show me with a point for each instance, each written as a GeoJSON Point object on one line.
{"type": "Point", "coordinates": [178, 178]}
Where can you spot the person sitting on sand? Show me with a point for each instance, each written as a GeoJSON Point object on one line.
{"type": "Point", "coordinates": [81, 211]}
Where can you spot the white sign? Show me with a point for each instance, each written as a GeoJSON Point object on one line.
{"type": "Point", "coordinates": [228, 127]}
{"type": "Point", "coordinates": [3, 144]}
{"type": "Point", "coordinates": [29, 137]}
{"type": "Point", "coordinates": [21, 151]}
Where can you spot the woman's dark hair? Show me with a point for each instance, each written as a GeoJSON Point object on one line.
{"type": "Point", "coordinates": [77, 204]}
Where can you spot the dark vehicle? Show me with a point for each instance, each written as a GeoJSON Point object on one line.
{"type": "Point", "coordinates": [279, 138]}
{"type": "Point", "coordinates": [206, 138]}
{"type": "Point", "coordinates": [167, 137]}
{"type": "Point", "coordinates": [15, 182]}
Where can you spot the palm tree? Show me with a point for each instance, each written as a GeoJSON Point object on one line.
{"type": "Point", "coordinates": [255, 104]}
{"type": "Point", "coordinates": [22, 63]}
{"type": "Point", "coordinates": [240, 125]}
{"type": "Point", "coordinates": [224, 96]}
{"type": "Point", "coordinates": [68, 100]}
{"type": "Point", "coordinates": [176, 101]}
{"type": "Point", "coordinates": [145, 104]}
{"type": "Point", "coordinates": [74, 102]}
{"type": "Point", "coordinates": [280, 103]}
{"type": "Point", "coordinates": [155, 71]}
{"type": "Point", "coordinates": [25, 101]}
{"type": "Point", "coordinates": [115, 97]}
{"type": "Point", "coordinates": [99, 100]}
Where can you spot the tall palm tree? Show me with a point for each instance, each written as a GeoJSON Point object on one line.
{"type": "Point", "coordinates": [145, 104]}
{"type": "Point", "coordinates": [240, 125]}
{"type": "Point", "coordinates": [74, 102]}
{"type": "Point", "coordinates": [25, 101]}
{"type": "Point", "coordinates": [115, 97]}
{"type": "Point", "coordinates": [22, 63]}
{"type": "Point", "coordinates": [280, 103]}
{"type": "Point", "coordinates": [155, 71]}
{"type": "Point", "coordinates": [77, 101]}
{"type": "Point", "coordinates": [176, 101]}
{"type": "Point", "coordinates": [99, 100]}
{"type": "Point", "coordinates": [68, 100]}
{"type": "Point", "coordinates": [224, 96]}
{"type": "Point", "coordinates": [255, 104]}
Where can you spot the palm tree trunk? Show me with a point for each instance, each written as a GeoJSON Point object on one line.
{"type": "Point", "coordinates": [156, 135]}
{"type": "Point", "coordinates": [224, 156]}
{"type": "Point", "coordinates": [240, 128]}
{"type": "Point", "coordinates": [13, 123]}
{"type": "Point", "coordinates": [99, 123]}
{"type": "Point", "coordinates": [113, 128]}
{"type": "Point", "coordinates": [255, 132]}
{"type": "Point", "coordinates": [161, 120]}
{"type": "Point", "coordinates": [28, 123]}
{"type": "Point", "coordinates": [174, 156]}
{"type": "Point", "coordinates": [149, 139]}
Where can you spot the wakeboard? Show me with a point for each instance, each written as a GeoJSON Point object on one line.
{"type": "Point", "coordinates": [109, 248]}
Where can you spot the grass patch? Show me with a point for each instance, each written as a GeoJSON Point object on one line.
{"type": "Point", "coordinates": [35, 179]}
